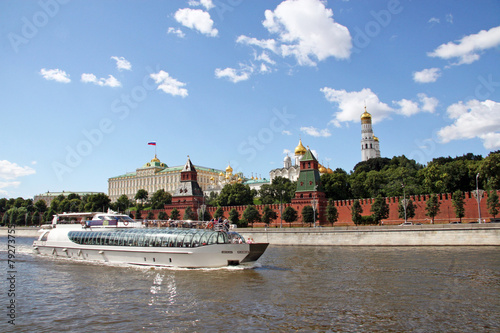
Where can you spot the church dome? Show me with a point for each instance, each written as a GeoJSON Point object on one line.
{"type": "Point", "coordinates": [229, 169]}
{"type": "Point", "coordinates": [300, 149]}
{"type": "Point", "coordinates": [329, 170]}
{"type": "Point", "coordinates": [322, 169]}
{"type": "Point", "coordinates": [287, 159]}
{"type": "Point", "coordinates": [366, 115]}
{"type": "Point", "coordinates": [375, 138]}
{"type": "Point", "coordinates": [155, 160]}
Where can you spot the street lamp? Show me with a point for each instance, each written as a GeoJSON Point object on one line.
{"type": "Point", "coordinates": [478, 194]}
{"type": "Point", "coordinates": [313, 203]}
{"type": "Point", "coordinates": [405, 203]}
{"type": "Point", "coordinates": [281, 207]}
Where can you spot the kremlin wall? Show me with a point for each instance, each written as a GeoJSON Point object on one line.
{"type": "Point", "coordinates": [446, 212]}
{"type": "Point", "coordinates": [306, 172]}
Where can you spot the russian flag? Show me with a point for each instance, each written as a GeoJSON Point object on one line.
{"type": "Point", "coordinates": [152, 143]}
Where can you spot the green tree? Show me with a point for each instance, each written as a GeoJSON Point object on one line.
{"type": "Point", "coordinates": [379, 209]}
{"type": "Point", "coordinates": [235, 194]}
{"type": "Point", "coordinates": [493, 203]}
{"type": "Point", "coordinates": [40, 206]}
{"type": "Point", "coordinates": [336, 185]}
{"type": "Point", "coordinates": [150, 215]}
{"type": "Point", "coordinates": [234, 216]}
{"type": "Point", "coordinates": [138, 214]}
{"type": "Point", "coordinates": [356, 211]}
{"type": "Point", "coordinates": [141, 195]}
{"type": "Point", "coordinates": [457, 200]}
{"type": "Point", "coordinates": [219, 213]}
{"type": "Point", "coordinates": [162, 216]}
{"type": "Point", "coordinates": [72, 196]}
{"type": "Point", "coordinates": [332, 214]}
{"type": "Point", "coordinates": [97, 202]}
{"type": "Point", "coordinates": [123, 203]}
{"type": "Point", "coordinates": [251, 214]}
{"type": "Point", "coordinates": [266, 194]}
{"type": "Point", "coordinates": [432, 207]}
{"type": "Point", "coordinates": [410, 209]}
{"type": "Point", "coordinates": [268, 215]}
{"type": "Point", "coordinates": [174, 214]}
{"type": "Point", "coordinates": [490, 169]}
{"type": "Point", "coordinates": [3, 205]}
{"type": "Point", "coordinates": [35, 218]}
{"type": "Point", "coordinates": [189, 214]}
{"type": "Point", "coordinates": [290, 215]}
{"type": "Point", "coordinates": [308, 215]}
{"type": "Point", "coordinates": [160, 198]}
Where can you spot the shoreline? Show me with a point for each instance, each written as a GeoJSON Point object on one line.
{"type": "Point", "coordinates": [484, 234]}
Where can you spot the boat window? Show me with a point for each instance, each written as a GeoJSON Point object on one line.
{"type": "Point", "coordinates": [187, 240]}
{"type": "Point", "coordinates": [212, 239]}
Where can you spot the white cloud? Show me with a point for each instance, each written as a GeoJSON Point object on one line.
{"type": "Point", "coordinates": [306, 30]}
{"type": "Point", "coordinates": [407, 107]}
{"type": "Point", "coordinates": [427, 75]}
{"type": "Point", "coordinates": [9, 170]}
{"type": "Point", "coordinates": [449, 18]}
{"type": "Point", "coordinates": [196, 19]}
{"type": "Point", "coordinates": [428, 104]}
{"type": "Point", "coordinates": [234, 75]}
{"type": "Point", "coordinates": [111, 81]}
{"type": "Point", "coordinates": [7, 184]}
{"type": "Point", "coordinates": [467, 48]}
{"type": "Point", "coordinates": [351, 105]}
{"type": "Point", "coordinates": [433, 20]}
{"type": "Point", "coordinates": [208, 4]}
{"type": "Point", "coordinates": [268, 44]}
{"type": "Point", "coordinates": [168, 84]}
{"type": "Point", "coordinates": [265, 57]}
{"type": "Point", "coordinates": [315, 132]}
{"type": "Point", "coordinates": [286, 151]}
{"type": "Point", "coordinates": [55, 74]}
{"type": "Point", "coordinates": [122, 63]}
{"type": "Point", "coordinates": [285, 132]}
{"type": "Point", "coordinates": [177, 32]}
{"type": "Point", "coordinates": [474, 119]}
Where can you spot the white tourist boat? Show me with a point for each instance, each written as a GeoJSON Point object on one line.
{"type": "Point", "coordinates": [116, 238]}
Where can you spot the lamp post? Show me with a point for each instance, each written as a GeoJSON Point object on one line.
{"type": "Point", "coordinates": [405, 203]}
{"type": "Point", "coordinates": [479, 195]}
{"type": "Point", "coordinates": [313, 203]}
{"type": "Point", "coordinates": [281, 207]}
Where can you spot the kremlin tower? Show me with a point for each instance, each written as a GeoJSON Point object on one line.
{"type": "Point", "coordinates": [369, 143]}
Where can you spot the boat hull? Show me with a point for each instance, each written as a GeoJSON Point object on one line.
{"type": "Point", "coordinates": [205, 256]}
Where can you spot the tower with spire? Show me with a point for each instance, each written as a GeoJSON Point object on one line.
{"type": "Point", "coordinates": [189, 191]}
{"type": "Point", "coordinates": [370, 147]}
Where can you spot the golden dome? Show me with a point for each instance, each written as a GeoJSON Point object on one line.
{"type": "Point", "coordinates": [221, 174]}
{"type": "Point", "coordinates": [155, 160]}
{"type": "Point", "coordinates": [329, 170]}
{"type": "Point", "coordinates": [366, 116]}
{"type": "Point", "coordinates": [239, 179]}
{"type": "Point", "coordinates": [300, 149]}
{"type": "Point", "coordinates": [375, 138]}
{"type": "Point", "coordinates": [229, 169]}
{"type": "Point", "coordinates": [212, 178]}
{"type": "Point", "coordinates": [322, 169]}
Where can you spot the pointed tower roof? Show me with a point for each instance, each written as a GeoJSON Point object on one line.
{"type": "Point", "coordinates": [188, 166]}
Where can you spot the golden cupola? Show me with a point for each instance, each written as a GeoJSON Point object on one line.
{"type": "Point", "coordinates": [300, 149]}
{"type": "Point", "coordinates": [229, 169]}
{"type": "Point", "coordinates": [322, 169]}
{"type": "Point", "coordinates": [155, 159]}
{"type": "Point", "coordinates": [366, 118]}
{"type": "Point", "coordinates": [375, 138]}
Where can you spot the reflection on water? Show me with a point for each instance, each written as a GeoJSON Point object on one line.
{"type": "Point", "coordinates": [347, 289]}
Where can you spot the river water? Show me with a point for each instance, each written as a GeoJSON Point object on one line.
{"type": "Point", "coordinates": [339, 289]}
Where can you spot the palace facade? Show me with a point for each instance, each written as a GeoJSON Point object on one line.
{"type": "Point", "coordinates": [156, 175]}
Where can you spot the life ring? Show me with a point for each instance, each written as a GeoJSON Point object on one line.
{"type": "Point", "coordinates": [210, 225]}
{"type": "Point", "coordinates": [125, 223]}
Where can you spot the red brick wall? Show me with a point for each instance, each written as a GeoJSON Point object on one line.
{"type": "Point", "coordinates": [446, 212]}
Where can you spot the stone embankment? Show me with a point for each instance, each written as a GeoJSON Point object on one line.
{"type": "Point", "coordinates": [486, 234]}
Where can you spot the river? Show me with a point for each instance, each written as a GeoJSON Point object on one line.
{"type": "Point", "coordinates": [308, 288]}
